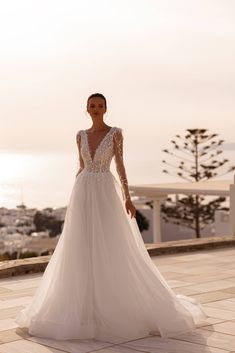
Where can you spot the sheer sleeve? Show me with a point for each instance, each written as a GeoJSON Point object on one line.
{"type": "Point", "coordinates": [118, 157]}
{"type": "Point", "coordinates": [81, 162]}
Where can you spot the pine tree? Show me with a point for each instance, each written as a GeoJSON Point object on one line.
{"type": "Point", "coordinates": [198, 154]}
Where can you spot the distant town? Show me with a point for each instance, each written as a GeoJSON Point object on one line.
{"type": "Point", "coordinates": [28, 232]}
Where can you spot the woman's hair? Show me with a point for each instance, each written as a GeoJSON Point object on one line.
{"type": "Point", "coordinates": [100, 95]}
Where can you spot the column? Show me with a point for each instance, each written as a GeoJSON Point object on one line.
{"type": "Point", "coordinates": [232, 208]}
{"type": "Point", "coordinates": [157, 235]}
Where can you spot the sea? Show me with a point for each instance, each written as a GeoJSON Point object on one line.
{"type": "Point", "coordinates": [40, 180]}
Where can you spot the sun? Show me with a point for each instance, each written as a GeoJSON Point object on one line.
{"type": "Point", "coordinates": [14, 166]}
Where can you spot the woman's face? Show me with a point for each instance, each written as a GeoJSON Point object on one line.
{"type": "Point", "coordinates": [96, 107]}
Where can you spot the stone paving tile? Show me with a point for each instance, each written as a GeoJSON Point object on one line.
{"type": "Point", "coordinates": [171, 345]}
{"type": "Point", "coordinates": [186, 290]}
{"type": "Point", "coordinates": [18, 294]}
{"type": "Point", "coordinates": [222, 304]}
{"type": "Point", "coordinates": [176, 283]}
{"type": "Point", "coordinates": [187, 270]}
{"type": "Point", "coordinates": [208, 278]}
{"type": "Point", "coordinates": [10, 280]}
{"type": "Point", "coordinates": [7, 324]}
{"type": "Point", "coordinates": [211, 321]}
{"type": "Point", "coordinates": [165, 268]}
{"type": "Point", "coordinates": [24, 346]}
{"type": "Point", "coordinates": [227, 327]}
{"type": "Point", "coordinates": [19, 285]}
{"type": "Point", "coordinates": [212, 286]}
{"type": "Point", "coordinates": [173, 275]}
{"type": "Point", "coordinates": [5, 291]}
{"type": "Point", "coordinates": [71, 346]}
{"type": "Point", "coordinates": [21, 282]}
{"type": "Point", "coordinates": [12, 335]}
{"type": "Point", "coordinates": [213, 296]}
{"type": "Point", "coordinates": [212, 283]}
{"type": "Point", "coordinates": [232, 279]}
{"type": "Point", "coordinates": [212, 339]}
{"type": "Point", "coordinates": [119, 349]}
{"type": "Point", "coordinates": [199, 255]}
{"type": "Point", "coordinates": [229, 290]}
{"type": "Point", "coordinates": [14, 302]}
{"type": "Point", "coordinates": [10, 312]}
{"type": "Point", "coordinates": [21, 278]}
{"type": "Point", "coordinates": [219, 313]}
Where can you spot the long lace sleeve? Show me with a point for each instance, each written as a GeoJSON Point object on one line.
{"type": "Point", "coordinates": [118, 157]}
{"type": "Point", "coordinates": [81, 162]}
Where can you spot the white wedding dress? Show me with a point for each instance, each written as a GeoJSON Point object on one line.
{"type": "Point", "coordinates": [100, 281]}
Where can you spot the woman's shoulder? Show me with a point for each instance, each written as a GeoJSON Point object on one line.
{"type": "Point", "coordinates": [118, 129]}
{"type": "Point", "coordinates": [78, 134]}
{"type": "Point", "coordinates": [118, 133]}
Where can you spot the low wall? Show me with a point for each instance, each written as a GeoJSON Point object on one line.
{"type": "Point", "coordinates": [38, 264]}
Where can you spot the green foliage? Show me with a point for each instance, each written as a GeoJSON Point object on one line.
{"type": "Point", "coordinates": [28, 254]}
{"type": "Point", "coordinates": [142, 221]}
{"type": "Point", "coordinates": [45, 222]}
{"type": "Point", "coordinates": [198, 153]}
{"type": "Point", "coordinates": [13, 256]}
{"type": "Point", "coordinates": [186, 209]}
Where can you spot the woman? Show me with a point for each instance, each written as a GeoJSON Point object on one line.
{"type": "Point", "coordinates": [100, 281]}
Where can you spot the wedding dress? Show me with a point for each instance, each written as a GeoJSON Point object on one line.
{"type": "Point", "coordinates": [100, 281]}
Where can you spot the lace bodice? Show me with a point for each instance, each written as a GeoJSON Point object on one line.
{"type": "Point", "coordinates": [110, 146]}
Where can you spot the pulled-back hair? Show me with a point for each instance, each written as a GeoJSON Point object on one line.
{"type": "Point", "coordinates": [100, 95]}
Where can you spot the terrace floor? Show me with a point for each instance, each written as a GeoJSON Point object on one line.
{"type": "Point", "coordinates": [207, 275]}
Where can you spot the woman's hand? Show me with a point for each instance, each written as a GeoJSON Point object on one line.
{"type": "Point", "coordinates": [130, 208]}
{"type": "Point", "coordinates": [79, 171]}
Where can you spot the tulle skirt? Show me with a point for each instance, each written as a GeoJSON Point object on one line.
{"type": "Point", "coordinates": [100, 281]}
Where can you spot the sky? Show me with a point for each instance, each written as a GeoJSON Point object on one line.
{"type": "Point", "coordinates": [163, 65]}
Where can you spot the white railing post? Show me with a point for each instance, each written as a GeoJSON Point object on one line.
{"type": "Point", "coordinates": [157, 233]}
{"type": "Point", "coordinates": [232, 208]}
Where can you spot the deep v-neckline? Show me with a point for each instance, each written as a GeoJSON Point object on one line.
{"type": "Point", "coordinates": [99, 144]}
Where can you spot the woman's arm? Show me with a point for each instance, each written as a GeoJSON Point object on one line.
{"type": "Point", "coordinates": [81, 162]}
{"type": "Point", "coordinates": [118, 157]}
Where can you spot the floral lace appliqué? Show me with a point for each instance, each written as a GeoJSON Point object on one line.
{"type": "Point", "coordinates": [110, 146]}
